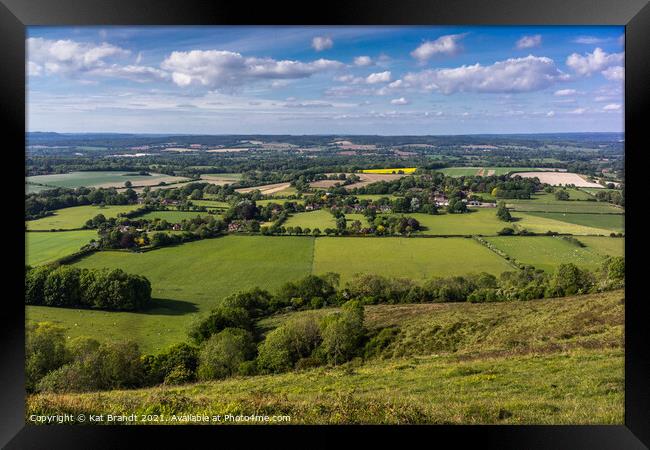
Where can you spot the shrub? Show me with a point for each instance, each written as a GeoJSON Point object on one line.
{"type": "Point", "coordinates": [110, 366]}
{"type": "Point", "coordinates": [342, 333]}
{"type": "Point", "coordinates": [380, 342]}
{"type": "Point", "coordinates": [220, 318]}
{"type": "Point", "coordinates": [507, 231]}
{"type": "Point", "coordinates": [287, 344]}
{"type": "Point", "coordinates": [45, 351]}
{"type": "Point", "coordinates": [256, 301]}
{"type": "Point", "coordinates": [180, 359]}
{"type": "Point", "coordinates": [222, 355]}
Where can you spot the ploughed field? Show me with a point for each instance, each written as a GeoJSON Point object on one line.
{"type": "Point", "coordinates": [554, 361]}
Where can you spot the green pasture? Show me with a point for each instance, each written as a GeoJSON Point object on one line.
{"type": "Point", "coordinates": [546, 252]}
{"type": "Point", "coordinates": [88, 179]}
{"type": "Point", "coordinates": [76, 216]}
{"type": "Point", "coordinates": [541, 224]}
{"type": "Point", "coordinates": [415, 258]}
{"type": "Point", "coordinates": [45, 247]}
{"type": "Point", "coordinates": [612, 222]}
{"type": "Point", "coordinates": [173, 216]}
{"type": "Point", "coordinates": [313, 219]}
{"type": "Point", "coordinates": [477, 221]}
{"type": "Point", "coordinates": [186, 279]}
{"type": "Point", "coordinates": [606, 246]}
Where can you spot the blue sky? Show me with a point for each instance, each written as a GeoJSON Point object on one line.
{"type": "Point", "coordinates": [325, 80]}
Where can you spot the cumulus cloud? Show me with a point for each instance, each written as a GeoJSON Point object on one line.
{"type": "Point", "coordinates": [588, 40]}
{"type": "Point", "coordinates": [362, 61]}
{"type": "Point", "coordinates": [444, 45]}
{"type": "Point", "coordinates": [67, 56]}
{"type": "Point", "coordinates": [612, 107]}
{"type": "Point", "coordinates": [597, 61]}
{"type": "Point", "coordinates": [33, 69]}
{"type": "Point", "coordinates": [578, 111]}
{"type": "Point", "coordinates": [527, 74]}
{"type": "Point", "coordinates": [614, 73]}
{"type": "Point", "coordinates": [140, 74]}
{"type": "Point", "coordinates": [379, 77]}
{"type": "Point", "coordinates": [399, 101]}
{"type": "Point", "coordinates": [565, 92]}
{"type": "Point", "coordinates": [220, 68]}
{"type": "Point", "coordinates": [550, 114]}
{"type": "Point", "coordinates": [320, 43]}
{"type": "Point", "coordinates": [529, 41]}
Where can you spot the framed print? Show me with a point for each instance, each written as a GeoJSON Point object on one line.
{"type": "Point", "coordinates": [310, 223]}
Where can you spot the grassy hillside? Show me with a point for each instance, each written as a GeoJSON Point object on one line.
{"type": "Point", "coordinates": [556, 361]}
{"type": "Point", "coordinates": [187, 279]}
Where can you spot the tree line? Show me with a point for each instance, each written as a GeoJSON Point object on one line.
{"type": "Point", "coordinates": [107, 289]}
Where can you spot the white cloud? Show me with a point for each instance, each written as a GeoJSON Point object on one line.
{"type": "Point", "coordinates": [550, 114]}
{"type": "Point", "coordinates": [527, 74]}
{"type": "Point", "coordinates": [320, 43]}
{"type": "Point", "coordinates": [444, 45]}
{"type": "Point", "coordinates": [379, 77]}
{"type": "Point", "coordinates": [578, 111]}
{"type": "Point", "coordinates": [141, 74]}
{"type": "Point", "coordinates": [588, 40]}
{"type": "Point", "coordinates": [529, 41]}
{"type": "Point", "coordinates": [69, 57]}
{"type": "Point", "coordinates": [614, 73]}
{"type": "Point", "coordinates": [612, 107]}
{"type": "Point", "coordinates": [33, 69]}
{"type": "Point", "coordinates": [565, 92]}
{"type": "Point", "coordinates": [596, 61]}
{"type": "Point", "coordinates": [220, 68]}
{"type": "Point", "coordinates": [362, 61]}
{"type": "Point", "coordinates": [399, 101]}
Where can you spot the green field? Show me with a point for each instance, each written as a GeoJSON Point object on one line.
{"type": "Point", "coordinates": [313, 219]}
{"type": "Point", "coordinates": [546, 252]}
{"type": "Point", "coordinates": [186, 279]}
{"type": "Point", "coordinates": [173, 216]}
{"type": "Point", "coordinates": [211, 203]}
{"type": "Point", "coordinates": [605, 246]}
{"type": "Point", "coordinates": [478, 221]}
{"type": "Point", "coordinates": [612, 222]}
{"type": "Point", "coordinates": [404, 257]}
{"type": "Point", "coordinates": [536, 362]}
{"type": "Point", "coordinates": [279, 201]}
{"type": "Point", "coordinates": [360, 217]}
{"type": "Point", "coordinates": [45, 247]}
{"type": "Point", "coordinates": [540, 224]}
{"type": "Point", "coordinates": [88, 179]}
{"type": "Point", "coordinates": [76, 217]}
{"type": "Point", "coordinates": [548, 205]}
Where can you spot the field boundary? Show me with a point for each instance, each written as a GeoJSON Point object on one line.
{"type": "Point", "coordinates": [509, 259]}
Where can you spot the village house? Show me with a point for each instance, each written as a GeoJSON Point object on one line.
{"type": "Point", "coordinates": [176, 227]}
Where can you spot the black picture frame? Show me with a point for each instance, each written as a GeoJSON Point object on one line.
{"type": "Point", "coordinates": [15, 15]}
